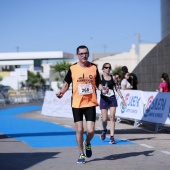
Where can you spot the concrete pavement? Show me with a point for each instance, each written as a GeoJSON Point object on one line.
{"type": "Point", "coordinates": [150, 151]}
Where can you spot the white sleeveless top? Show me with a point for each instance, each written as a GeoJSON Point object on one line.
{"type": "Point", "coordinates": [126, 83]}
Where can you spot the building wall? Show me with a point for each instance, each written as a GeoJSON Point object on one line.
{"type": "Point", "coordinates": [129, 59]}
{"type": "Point", "coordinates": [25, 60]}
{"type": "Point", "coordinates": [165, 18]}
{"type": "Point", "coordinates": [156, 62]}
{"type": "Point", "coordinates": [101, 55]}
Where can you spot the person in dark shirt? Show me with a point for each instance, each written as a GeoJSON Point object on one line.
{"type": "Point", "coordinates": [117, 79]}
{"type": "Point", "coordinates": [133, 80]}
{"type": "Point", "coordinates": [108, 102]}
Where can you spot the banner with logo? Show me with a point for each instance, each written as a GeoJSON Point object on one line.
{"type": "Point", "coordinates": [152, 107]}
{"type": "Point", "coordinates": [156, 107]}
{"type": "Point", "coordinates": [56, 107]}
{"type": "Point", "coordinates": [147, 106]}
{"type": "Point", "coordinates": [133, 106]}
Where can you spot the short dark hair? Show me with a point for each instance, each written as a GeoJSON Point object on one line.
{"type": "Point", "coordinates": [117, 74]}
{"type": "Point", "coordinates": [81, 47]}
{"type": "Point", "coordinates": [166, 78]}
{"type": "Point", "coordinates": [125, 69]}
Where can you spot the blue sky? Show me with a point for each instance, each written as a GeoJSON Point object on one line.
{"type": "Point", "coordinates": [62, 25]}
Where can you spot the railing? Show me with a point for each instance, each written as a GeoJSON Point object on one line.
{"type": "Point", "coordinates": [20, 96]}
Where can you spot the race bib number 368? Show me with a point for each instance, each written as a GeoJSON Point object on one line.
{"type": "Point", "coordinates": [85, 89]}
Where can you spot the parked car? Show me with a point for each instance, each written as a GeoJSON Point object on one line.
{"type": "Point", "coordinates": [4, 88]}
{"type": "Point", "coordinates": [4, 91]}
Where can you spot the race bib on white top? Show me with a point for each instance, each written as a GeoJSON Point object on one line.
{"type": "Point", "coordinates": [110, 93]}
{"type": "Point", "coordinates": [85, 89]}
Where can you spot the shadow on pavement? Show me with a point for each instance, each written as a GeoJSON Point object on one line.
{"type": "Point", "coordinates": [124, 155]}
{"type": "Point", "coordinates": [20, 161]}
{"type": "Point", "coordinates": [135, 139]}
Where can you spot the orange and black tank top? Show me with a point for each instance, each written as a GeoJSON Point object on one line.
{"type": "Point", "coordinates": [84, 82]}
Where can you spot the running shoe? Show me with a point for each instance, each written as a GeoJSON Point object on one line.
{"type": "Point", "coordinates": [103, 135]}
{"type": "Point", "coordinates": [112, 140]}
{"type": "Point", "coordinates": [81, 159]}
{"type": "Point", "coordinates": [87, 148]}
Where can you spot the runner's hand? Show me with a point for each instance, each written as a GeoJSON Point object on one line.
{"type": "Point", "coordinates": [105, 90]}
{"type": "Point", "coordinates": [59, 94]}
{"type": "Point", "coordinates": [123, 102]}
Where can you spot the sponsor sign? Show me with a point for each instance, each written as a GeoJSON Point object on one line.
{"type": "Point", "coordinates": [152, 107]}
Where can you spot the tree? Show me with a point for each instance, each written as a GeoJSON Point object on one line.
{"type": "Point", "coordinates": [35, 81]}
{"type": "Point", "coordinates": [117, 70]}
{"type": "Point", "coordinates": [22, 84]}
{"type": "Point", "coordinates": [1, 78]}
{"type": "Point", "coordinates": [61, 69]}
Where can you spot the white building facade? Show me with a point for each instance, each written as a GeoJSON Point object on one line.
{"type": "Point", "coordinates": [14, 66]}
{"type": "Point", "coordinates": [129, 59]}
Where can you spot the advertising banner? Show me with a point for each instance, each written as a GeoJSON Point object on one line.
{"type": "Point", "coordinates": [133, 105]}
{"type": "Point", "coordinates": [56, 107]}
{"type": "Point", "coordinates": [151, 107]}
{"type": "Point", "coordinates": [156, 107]}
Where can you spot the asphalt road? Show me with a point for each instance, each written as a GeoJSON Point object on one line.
{"type": "Point", "coordinates": [150, 151]}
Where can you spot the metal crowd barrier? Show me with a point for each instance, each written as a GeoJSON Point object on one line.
{"type": "Point", "coordinates": [21, 96]}
{"type": "Point", "coordinates": [2, 100]}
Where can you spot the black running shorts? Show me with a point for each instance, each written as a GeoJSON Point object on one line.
{"type": "Point", "coordinates": [88, 112]}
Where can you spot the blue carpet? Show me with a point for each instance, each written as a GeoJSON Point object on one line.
{"type": "Point", "coordinates": [40, 134]}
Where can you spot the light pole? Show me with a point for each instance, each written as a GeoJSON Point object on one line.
{"type": "Point", "coordinates": [137, 47]}
{"type": "Point", "coordinates": [104, 48]}
{"type": "Point", "coordinates": [17, 48]}
{"type": "Point", "coordinates": [91, 51]}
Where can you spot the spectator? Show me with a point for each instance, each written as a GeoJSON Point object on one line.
{"type": "Point", "coordinates": [164, 86]}
{"type": "Point", "coordinates": [125, 85]}
{"type": "Point", "coordinates": [133, 80]}
{"type": "Point", "coordinates": [117, 79]}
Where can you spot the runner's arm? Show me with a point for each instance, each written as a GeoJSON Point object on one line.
{"type": "Point", "coordinates": [98, 80]}
{"type": "Point", "coordinates": [64, 88]}
{"type": "Point", "coordinates": [66, 85]}
{"type": "Point", "coordinates": [120, 94]}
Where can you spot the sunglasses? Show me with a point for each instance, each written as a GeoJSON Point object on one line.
{"type": "Point", "coordinates": [107, 67]}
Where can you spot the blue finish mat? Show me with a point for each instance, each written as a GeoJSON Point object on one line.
{"type": "Point", "coordinates": [40, 134]}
